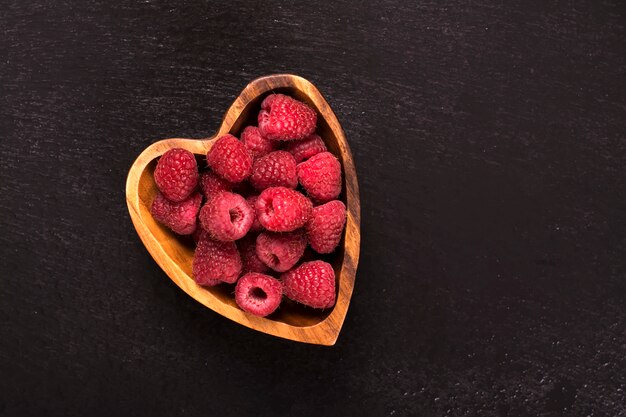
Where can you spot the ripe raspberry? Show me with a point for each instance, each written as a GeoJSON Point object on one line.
{"type": "Point", "coordinates": [276, 169]}
{"type": "Point", "coordinates": [249, 259]}
{"type": "Point", "coordinates": [311, 284]}
{"type": "Point", "coordinates": [325, 226]}
{"type": "Point", "coordinates": [284, 118]}
{"type": "Point", "coordinates": [280, 251]}
{"type": "Point", "coordinates": [226, 217]}
{"type": "Point", "coordinates": [256, 225]}
{"type": "Point", "coordinates": [281, 209]}
{"type": "Point", "coordinates": [256, 143]}
{"type": "Point", "coordinates": [320, 176]}
{"type": "Point", "coordinates": [258, 294]}
{"type": "Point", "coordinates": [212, 184]}
{"type": "Point", "coordinates": [178, 216]}
{"type": "Point", "coordinates": [176, 174]}
{"type": "Point", "coordinates": [305, 148]}
{"type": "Point", "coordinates": [230, 159]}
{"type": "Point", "coordinates": [215, 262]}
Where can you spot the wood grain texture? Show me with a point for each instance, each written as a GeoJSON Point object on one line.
{"type": "Point", "coordinates": [490, 145]}
{"type": "Point", "coordinates": [175, 256]}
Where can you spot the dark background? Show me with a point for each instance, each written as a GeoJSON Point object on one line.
{"type": "Point", "coordinates": [489, 139]}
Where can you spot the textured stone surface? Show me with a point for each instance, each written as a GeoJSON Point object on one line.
{"type": "Point", "coordinates": [490, 142]}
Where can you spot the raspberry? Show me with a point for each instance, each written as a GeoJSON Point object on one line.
{"type": "Point", "coordinates": [280, 251]}
{"type": "Point", "coordinates": [226, 217]}
{"type": "Point", "coordinates": [305, 148]}
{"type": "Point", "coordinates": [176, 174]}
{"type": "Point", "coordinates": [281, 209]}
{"type": "Point", "coordinates": [256, 225]}
{"type": "Point", "coordinates": [230, 159]}
{"type": "Point", "coordinates": [276, 169]}
{"type": "Point", "coordinates": [284, 118]}
{"type": "Point", "coordinates": [325, 226]}
{"type": "Point", "coordinates": [258, 294]}
{"type": "Point", "coordinates": [215, 261]}
{"type": "Point", "coordinates": [178, 216]}
{"type": "Point", "coordinates": [249, 258]}
{"type": "Point", "coordinates": [256, 143]}
{"type": "Point", "coordinates": [212, 184]}
{"type": "Point", "coordinates": [320, 176]}
{"type": "Point", "coordinates": [311, 284]}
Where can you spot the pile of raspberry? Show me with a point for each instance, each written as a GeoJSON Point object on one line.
{"type": "Point", "coordinates": [262, 200]}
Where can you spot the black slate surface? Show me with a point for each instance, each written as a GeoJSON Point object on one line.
{"type": "Point", "coordinates": [489, 138]}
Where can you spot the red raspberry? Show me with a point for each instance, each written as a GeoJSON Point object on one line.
{"type": "Point", "coordinates": [215, 262]}
{"type": "Point", "coordinates": [311, 284]}
{"type": "Point", "coordinates": [226, 217]}
{"type": "Point", "coordinates": [249, 258]}
{"type": "Point", "coordinates": [284, 118]}
{"type": "Point", "coordinates": [178, 216]}
{"type": "Point", "coordinates": [212, 184]}
{"type": "Point", "coordinates": [256, 225]}
{"type": "Point", "coordinates": [320, 176]}
{"type": "Point", "coordinates": [281, 209]}
{"type": "Point", "coordinates": [256, 143]}
{"type": "Point", "coordinates": [280, 251]}
{"type": "Point", "coordinates": [276, 169]}
{"type": "Point", "coordinates": [305, 148]}
{"type": "Point", "coordinates": [325, 226]}
{"type": "Point", "coordinates": [176, 174]}
{"type": "Point", "coordinates": [258, 294]}
{"type": "Point", "coordinates": [230, 159]}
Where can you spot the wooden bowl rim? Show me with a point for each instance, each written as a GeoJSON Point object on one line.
{"type": "Point", "coordinates": [326, 331]}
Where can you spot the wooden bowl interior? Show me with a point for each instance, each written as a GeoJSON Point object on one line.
{"type": "Point", "coordinates": [181, 248]}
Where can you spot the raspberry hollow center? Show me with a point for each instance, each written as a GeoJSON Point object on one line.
{"type": "Point", "coordinates": [269, 208]}
{"type": "Point", "coordinates": [258, 293]}
{"type": "Point", "coordinates": [235, 215]}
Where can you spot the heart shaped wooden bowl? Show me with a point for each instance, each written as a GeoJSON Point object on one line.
{"type": "Point", "coordinates": [174, 254]}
